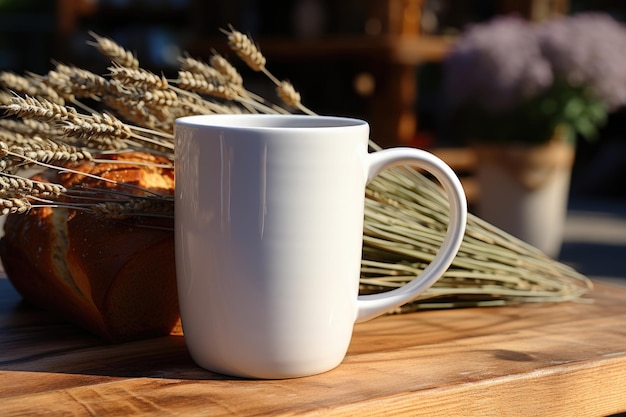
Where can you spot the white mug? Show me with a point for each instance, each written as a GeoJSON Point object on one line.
{"type": "Point", "coordinates": [269, 231]}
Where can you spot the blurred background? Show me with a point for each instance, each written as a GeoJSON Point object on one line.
{"type": "Point", "coordinates": [380, 60]}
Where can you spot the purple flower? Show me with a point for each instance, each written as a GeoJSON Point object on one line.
{"type": "Point", "coordinates": [589, 50]}
{"type": "Point", "coordinates": [511, 80]}
{"type": "Point", "coordinates": [496, 65]}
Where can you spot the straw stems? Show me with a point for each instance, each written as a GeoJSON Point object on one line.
{"type": "Point", "coordinates": [404, 228]}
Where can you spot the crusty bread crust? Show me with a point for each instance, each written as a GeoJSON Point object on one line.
{"type": "Point", "coordinates": [115, 278]}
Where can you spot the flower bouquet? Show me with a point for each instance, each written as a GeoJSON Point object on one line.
{"type": "Point", "coordinates": [510, 80]}
{"type": "Point", "coordinates": [522, 93]}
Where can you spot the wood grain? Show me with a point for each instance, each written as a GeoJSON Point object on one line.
{"type": "Point", "coordinates": [550, 359]}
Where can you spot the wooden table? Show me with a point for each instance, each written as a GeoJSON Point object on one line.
{"type": "Point", "coordinates": [532, 360]}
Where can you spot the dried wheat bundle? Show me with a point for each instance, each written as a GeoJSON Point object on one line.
{"type": "Point", "coordinates": [71, 114]}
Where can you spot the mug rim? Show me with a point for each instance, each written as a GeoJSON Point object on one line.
{"type": "Point", "coordinates": [269, 121]}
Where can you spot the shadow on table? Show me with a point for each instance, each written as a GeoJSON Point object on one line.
{"type": "Point", "coordinates": [78, 353]}
{"type": "Point", "coordinates": [34, 340]}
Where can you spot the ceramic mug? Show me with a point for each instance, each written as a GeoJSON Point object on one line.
{"type": "Point", "coordinates": [269, 229]}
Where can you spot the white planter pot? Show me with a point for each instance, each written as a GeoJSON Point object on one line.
{"type": "Point", "coordinates": [524, 191]}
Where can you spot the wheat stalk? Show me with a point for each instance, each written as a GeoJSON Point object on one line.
{"type": "Point", "coordinates": [246, 50]}
{"type": "Point", "coordinates": [115, 52]}
{"type": "Point", "coordinates": [138, 77]}
{"type": "Point", "coordinates": [215, 86]}
{"type": "Point", "coordinates": [14, 205]}
{"type": "Point", "coordinates": [39, 109]}
{"type": "Point", "coordinates": [225, 68]}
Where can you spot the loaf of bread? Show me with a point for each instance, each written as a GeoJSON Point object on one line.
{"type": "Point", "coordinates": [115, 278]}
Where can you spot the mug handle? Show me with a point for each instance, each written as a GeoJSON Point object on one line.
{"type": "Point", "coordinates": [373, 305]}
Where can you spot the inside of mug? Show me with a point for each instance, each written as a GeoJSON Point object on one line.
{"type": "Point", "coordinates": [270, 121]}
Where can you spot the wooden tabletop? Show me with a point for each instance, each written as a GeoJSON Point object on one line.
{"type": "Point", "coordinates": [551, 359]}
